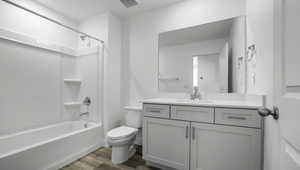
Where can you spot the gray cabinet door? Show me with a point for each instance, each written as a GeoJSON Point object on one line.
{"type": "Point", "coordinates": [166, 142]}
{"type": "Point", "coordinates": [216, 147]}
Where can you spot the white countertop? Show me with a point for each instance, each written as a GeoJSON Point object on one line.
{"type": "Point", "coordinates": [134, 107]}
{"type": "Point", "coordinates": [208, 103]}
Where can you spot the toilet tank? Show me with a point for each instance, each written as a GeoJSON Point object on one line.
{"type": "Point", "coordinates": [133, 117]}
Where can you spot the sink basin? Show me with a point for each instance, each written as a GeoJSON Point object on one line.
{"type": "Point", "coordinates": [193, 101]}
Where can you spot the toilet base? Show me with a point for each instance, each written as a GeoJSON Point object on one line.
{"type": "Point", "coordinates": [122, 153]}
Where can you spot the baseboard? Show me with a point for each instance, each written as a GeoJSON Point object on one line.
{"type": "Point", "coordinates": [74, 157]}
{"type": "Point", "coordinates": [149, 163]}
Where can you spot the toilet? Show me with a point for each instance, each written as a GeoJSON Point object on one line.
{"type": "Point", "coordinates": [123, 138]}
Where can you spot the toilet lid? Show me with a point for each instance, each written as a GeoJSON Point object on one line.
{"type": "Point", "coordinates": [121, 132]}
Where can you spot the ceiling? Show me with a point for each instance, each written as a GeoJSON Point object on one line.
{"type": "Point", "coordinates": [211, 31]}
{"type": "Point", "coordinates": [80, 10]}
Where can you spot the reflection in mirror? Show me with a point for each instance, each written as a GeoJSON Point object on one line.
{"type": "Point", "coordinates": [210, 57]}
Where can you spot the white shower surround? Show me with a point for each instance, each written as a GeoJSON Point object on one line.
{"type": "Point", "coordinates": [51, 146]}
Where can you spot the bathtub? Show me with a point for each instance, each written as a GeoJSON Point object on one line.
{"type": "Point", "coordinates": [50, 147]}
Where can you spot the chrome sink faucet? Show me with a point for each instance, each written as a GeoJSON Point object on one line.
{"type": "Point", "coordinates": [195, 94]}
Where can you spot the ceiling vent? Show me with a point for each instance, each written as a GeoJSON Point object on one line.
{"type": "Point", "coordinates": [129, 3]}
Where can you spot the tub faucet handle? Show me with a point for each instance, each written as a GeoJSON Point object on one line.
{"type": "Point", "coordinates": [85, 113]}
{"type": "Point", "coordinates": [87, 101]}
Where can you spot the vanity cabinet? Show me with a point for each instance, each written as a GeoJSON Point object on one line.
{"type": "Point", "coordinates": [166, 142]}
{"type": "Point", "coordinates": [217, 147]}
{"type": "Point", "coordinates": [203, 138]}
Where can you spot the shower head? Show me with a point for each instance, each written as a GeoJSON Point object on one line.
{"type": "Point", "coordinates": [83, 37]}
{"type": "Point", "coordinates": [130, 3]}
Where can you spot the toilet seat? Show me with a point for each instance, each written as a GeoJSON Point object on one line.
{"type": "Point", "coordinates": [121, 133]}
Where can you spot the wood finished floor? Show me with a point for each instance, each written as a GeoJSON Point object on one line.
{"type": "Point", "coordinates": [100, 160]}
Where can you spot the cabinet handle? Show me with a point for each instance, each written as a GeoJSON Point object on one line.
{"type": "Point", "coordinates": [193, 133]}
{"type": "Point", "coordinates": [236, 117]}
{"type": "Point", "coordinates": [154, 111]}
{"type": "Point", "coordinates": [187, 132]}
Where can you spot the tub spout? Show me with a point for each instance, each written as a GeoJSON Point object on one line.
{"type": "Point", "coordinates": [85, 113]}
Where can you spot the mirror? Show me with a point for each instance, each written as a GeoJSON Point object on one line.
{"type": "Point", "coordinates": [210, 56]}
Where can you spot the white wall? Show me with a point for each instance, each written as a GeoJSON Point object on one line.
{"type": "Point", "coordinates": [260, 32]}
{"type": "Point", "coordinates": [177, 61]}
{"type": "Point", "coordinates": [143, 30]}
{"type": "Point", "coordinates": [224, 69]}
{"type": "Point", "coordinates": [237, 48]}
{"type": "Point", "coordinates": [21, 21]}
{"type": "Point", "coordinates": [112, 89]}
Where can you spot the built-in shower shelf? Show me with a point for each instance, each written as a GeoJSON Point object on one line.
{"type": "Point", "coordinates": [78, 81]}
{"type": "Point", "coordinates": [68, 104]}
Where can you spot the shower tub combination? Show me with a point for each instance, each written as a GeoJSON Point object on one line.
{"type": "Point", "coordinates": [50, 147]}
